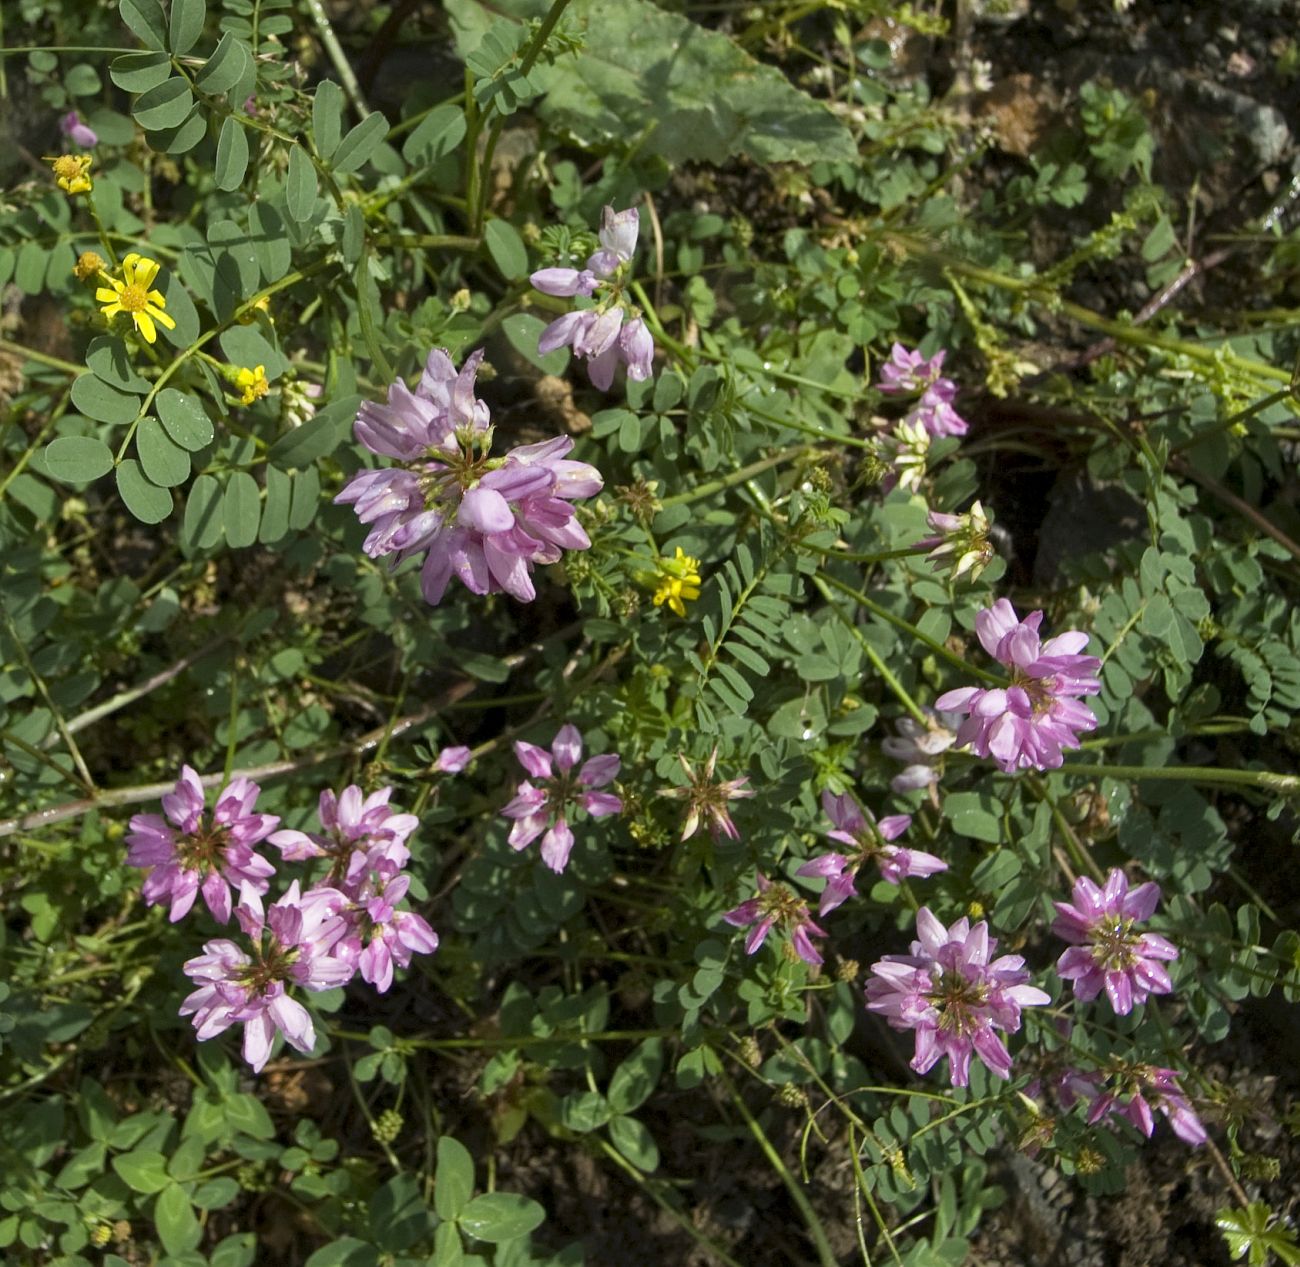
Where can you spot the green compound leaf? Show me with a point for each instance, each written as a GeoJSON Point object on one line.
{"type": "Point", "coordinates": [108, 360]}
{"type": "Point", "coordinates": [327, 117]}
{"type": "Point", "coordinates": [501, 1216]}
{"type": "Point", "coordinates": [226, 67]}
{"type": "Point", "coordinates": [317, 438]}
{"type": "Point", "coordinates": [178, 1228]}
{"type": "Point", "coordinates": [507, 249]}
{"type": "Point", "coordinates": [142, 1170]}
{"type": "Point", "coordinates": [453, 1183]}
{"type": "Point", "coordinates": [147, 20]}
{"type": "Point", "coordinates": [166, 106]}
{"type": "Point", "coordinates": [523, 330]}
{"type": "Point", "coordinates": [78, 459]}
{"type": "Point", "coordinates": [360, 143]}
{"type": "Point", "coordinates": [185, 420]}
{"type": "Point", "coordinates": [247, 346]}
{"type": "Point", "coordinates": [138, 72]}
{"type": "Point", "coordinates": [144, 499]}
{"type": "Point", "coordinates": [232, 155]}
{"type": "Point", "coordinates": [164, 462]}
{"type": "Point", "coordinates": [704, 97]}
{"type": "Point", "coordinates": [96, 399]}
{"type": "Point", "coordinates": [300, 185]}
{"type": "Point", "coordinates": [270, 241]}
{"type": "Point", "coordinates": [183, 137]}
{"type": "Point", "coordinates": [305, 499]}
{"type": "Point", "coordinates": [202, 526]}
{"type": "Point", "coordinates": [241, 509]}
{"type": "Point", "coordinates": [635, 1078]}
{"type": "Point", "coordinates": [186, 24]}
{"type": "Point", "coordinates": [275, 512]}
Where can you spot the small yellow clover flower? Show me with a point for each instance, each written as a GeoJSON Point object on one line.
{"type": "Point", "coordinates": [253, 384]}
{"type": "Point", "coordinates": [70, 173]}
{"type": "Point", "coordinates": [132, 295]}
{"type": "Point", "coordinates": [678, 582]}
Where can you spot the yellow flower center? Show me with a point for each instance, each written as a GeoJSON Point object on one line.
{"type": "Point", "coordinates": [68, 167]}
{"type": "Point", "coordinates": [133, 298]}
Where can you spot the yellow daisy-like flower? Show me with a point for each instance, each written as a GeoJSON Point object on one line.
{"type": "Point", "coordinates": [678, 582]}
{"type": "Point", "coordinates": [70, 173]}
{"type": "Point", "coordinates": [132, 295]}
{"type": "Point", "coordinates": [89, 265]}
{"type": "Point", "coordinates": [253, 384]}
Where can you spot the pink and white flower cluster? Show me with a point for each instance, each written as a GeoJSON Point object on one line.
{"type": "Point", "coordinates": [545, 804]}
{"type": "Point", "coordinates": [1108, 954]}
{"type": "Point", "coordinates": [1025, 725]}
{"type": "Point", "coordinates": [612, 330]}
{"type": "Point", "coordinates": [348, 922]}
{"type": "Point", "coordinates": [774, 906]}
{"type": "Point", "coordinates": [1134, 1092]}
{"type": "Point", "coordinates": [909, 373]}
{"type": "Point", "coordinates": [953, 996]}
{"type": "Point", "coordinates": [487, 520]}
{"type": "Point", "coordinates": [866, 840]}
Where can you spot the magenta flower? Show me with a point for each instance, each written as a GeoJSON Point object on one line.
{"type": "Point", "coordinates": [454, 760]}
{"type": "Point", "coordinates": [378, 936]}
{"type": "Point", "coordinates": [188, 856]}
{"type": "Point", "coordinates": [776, 906]}
{"type": "Point", "coordinates": [706, 800]}
{"type": "Point", "coordinates": [1142, 1088]}
{"type": "Point", "coordinates": [485, 520]}
{"type": "Point", "coordinates": [546, 808]}
{"type": "Point", "coordinates": [359, 834]}
{"type": "Point", "coordinates": [868, 841]}
{"type": "Point", "coordinates": [1107, 953]}
{"type": "Point", "coordinates": [909, 373]}
{"type": "Point", "coordinates": [953, 997]}
{"type": "Point", "coordinates": [612, 331]}
{"type": "Point", "coordinates": [78, 131]}
{"type": "Point", "coordinates": [1027, 724]}
{"type": "Point", "coordinates": [291, 945]}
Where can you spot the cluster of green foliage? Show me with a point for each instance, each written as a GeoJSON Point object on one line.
{"type": "Point", "coordinates": [176, 585]}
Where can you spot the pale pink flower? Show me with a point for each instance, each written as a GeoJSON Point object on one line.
{"type": "Point", "coordinates": [379, 936]}
{"type": "Point", "coordinates": [1108, 953]}
{"type": "Point", "coordinates": [78, 131]}
{"type": "Point", "coordinates": [188, 854]}
{"type": "Point", "coordinates": [1026, 724]}
{"type": "Point", "coordinates": [1138, 1090]}
{"type": "Point", "coordinates": [953, 997]}
{"type": "Point", "coordinates": [921, 747]}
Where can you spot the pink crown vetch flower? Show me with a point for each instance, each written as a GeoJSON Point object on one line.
{"type": "Point", "coordinates": [921, 747]}
{"type": "Point", "coordinates": [545, 806]}
{"type": "Point", "coordinates": [78, 131]}
{"type": "Point", "coordinates": [378, 935]}
{"type": "Point", "coordinates": [706, 800]}
{"type": "Point", "coordinates": [188, 854]}
{"type": "Point", "coordinates": [1108, 954]}
{"type": "Point", "coordinates": [291, 944]}
{"type": "Point", "coordinates": [954, 998]}
{"type": "Point", "coordinates": [1137, 1091]}
{"type": "Point", "coordinates": [487, 520]}
{"type": "Point", "coordinates": [909, 373]}
{"type": "Point", "coordinates": [867, 841]}
{"type": "Point", "coordinates": [775, 906]}
{"type": "Point", "coordinates": [613, 330]}
{"type": "Point", "coordinates": [1027, 724]}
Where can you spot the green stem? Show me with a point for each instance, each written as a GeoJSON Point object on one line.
{"type": "Point", "coordinates": [707, 489]}
{"type": "Point", "coordinates": [1284, 784]}
{"type": "Point", "coordinates": [41, 358]}
{"type": "Point", "coordinates": [825, 1254]}
{"type": "Point", "coordinates": [338, 58]}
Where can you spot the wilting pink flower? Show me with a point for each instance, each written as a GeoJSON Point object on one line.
{"type": "Point", "coordinates": [707, 800]}
{"type": "Point", "coordinates": [867, 841]}
{"type": "Point", "coordinates": [1107, 952]}
{"type": "Point", "coordinates": [188, 855]}
{"type": "Point", "coordinates": [486, 520]}
{"type": "Point", "coordinates": [77, 131]}
{"type": "Point", "coordinates": [1027, 724]}
{"type": "Point", "coordinates": [1139, 1089]}
{"type": "Point", "coordinates": [921, 747]}
{"type": "Point", "coordinates": [291, 944]}
{"type": "Point", "coordinates": [545, 806]}
{"type": "Point", "coordinates": [776, 906]}
{"type": "Point", "coordinates": [359, 834]}
{"type": "Point", "coordinates": [953, 997]}
{"type": "Point", "coordinates": [599, 334]}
